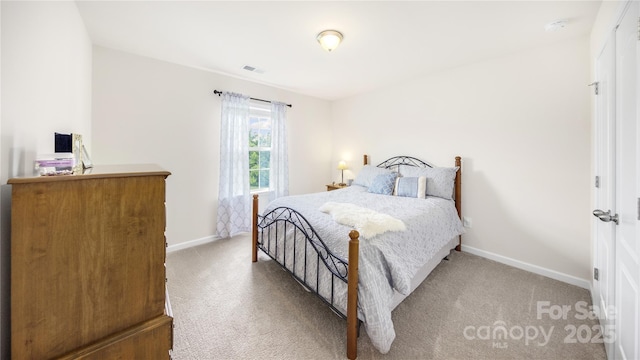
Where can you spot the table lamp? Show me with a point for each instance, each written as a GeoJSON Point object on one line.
{"type": "Point", "coordinates": [342, 165]}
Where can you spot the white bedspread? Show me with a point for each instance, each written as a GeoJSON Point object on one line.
{"type": "Point", "coordinates": [387, 261]}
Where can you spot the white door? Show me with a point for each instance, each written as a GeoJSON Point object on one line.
{"type": "Point", "coordinates": [627, 275]}
{"type": "Point", "coordinates": [604, 197]}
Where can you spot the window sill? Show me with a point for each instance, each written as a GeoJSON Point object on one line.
{"type": "Point", "coordinates": [259, 191]}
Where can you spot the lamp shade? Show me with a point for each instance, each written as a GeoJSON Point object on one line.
{"type": "Point", "coordinates": [342, 165]}
{"type": "Point", "coordinates": [329, 39]}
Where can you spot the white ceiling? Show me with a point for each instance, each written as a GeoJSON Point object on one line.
{"type": "Point", "coordinates": [384, 41]}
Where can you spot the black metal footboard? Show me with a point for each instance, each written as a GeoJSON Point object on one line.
{"type": "Point", "coordinates": [286, 236]}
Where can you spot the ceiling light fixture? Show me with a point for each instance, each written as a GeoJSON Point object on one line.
{"type": "Point", "coordinates": [329, 39]}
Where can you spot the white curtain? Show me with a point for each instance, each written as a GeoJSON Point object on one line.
{"type": "Point", "coordinates": [234, 200]}
{"type": "Point", "coordinates": [279, 173]}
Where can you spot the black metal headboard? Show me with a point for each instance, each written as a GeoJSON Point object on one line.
{"type": "Point", "coordinates": [394, 162]}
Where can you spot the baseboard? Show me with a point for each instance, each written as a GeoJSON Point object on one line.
{"type": "Point", "coordinates": [191, 243]}
{"type": "Point", "coordinates": [569, 279]}
{"type": "Point", "coordinates": [471, 250]}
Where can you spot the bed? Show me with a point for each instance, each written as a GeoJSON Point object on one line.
{"type": "Point", "coordinates": [407, 215]}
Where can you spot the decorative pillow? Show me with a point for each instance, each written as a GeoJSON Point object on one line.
{"type": "Point", "coordinates": [440, 180]}
{"type": "Point", "coordinates": [368, 173]}
{"type": "Point", "coordinates": [383, 184]}
{"type": "Point", "coordinates": [411, 187]}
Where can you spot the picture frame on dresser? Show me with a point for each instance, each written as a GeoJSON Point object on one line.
{"type": "Point", "coordinates": [76, 149]}
{"type": "Point", "coordinates": [86, 159]}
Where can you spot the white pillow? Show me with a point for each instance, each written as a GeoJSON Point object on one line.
{"type": "Point", "coordinates": [368, 173]}
{"type": "Point", "coordinates": [440, 180]}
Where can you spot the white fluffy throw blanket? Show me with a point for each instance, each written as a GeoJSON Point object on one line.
{"type": "Point", "coordinates": [369, 223]}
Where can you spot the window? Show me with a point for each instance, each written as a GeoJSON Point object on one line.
{"type": "Point", "coordinates": [259, 146]}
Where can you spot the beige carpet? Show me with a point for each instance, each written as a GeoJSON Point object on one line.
{"type": "Point", "coordinates": [225, 307]}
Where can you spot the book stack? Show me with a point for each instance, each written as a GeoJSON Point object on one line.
{"type": "Point", "coordinates": [54, 164]}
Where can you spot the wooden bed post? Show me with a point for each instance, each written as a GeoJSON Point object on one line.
{"type": "Point", "coordinates": [352, 296]}
{"type": "Point", "coordinates": [254, 229]}
{"type": "Point", "coordinates": [458, 190]}
{"type": "Point", "coordinates": [365, 161]}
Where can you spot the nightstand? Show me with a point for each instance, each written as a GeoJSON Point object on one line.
{"type": "Point", "coordinates": [335, 187]}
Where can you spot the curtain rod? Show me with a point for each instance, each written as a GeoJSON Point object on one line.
{"type": "Point", "coordinates": [217, 92]}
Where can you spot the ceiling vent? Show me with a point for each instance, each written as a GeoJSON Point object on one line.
{"type": "Point", "coordinates": [253, 69]}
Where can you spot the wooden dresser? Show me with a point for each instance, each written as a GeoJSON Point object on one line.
{"type": "Point", "coordinates": [88, 265]}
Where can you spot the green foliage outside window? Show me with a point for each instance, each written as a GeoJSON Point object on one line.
{"type": "Point", "coordinates": [259, 152]}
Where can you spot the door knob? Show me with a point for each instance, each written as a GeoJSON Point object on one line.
{"type": "Point", "coordinates": [605, 216]}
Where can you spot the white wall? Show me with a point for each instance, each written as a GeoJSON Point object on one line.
{"type": "Point", "coordinates": [522, 126]}
{"type": "Point", "coordinates": [46, 80]}
{"type": "Point", "coordinates": [46, 87]}
{"type": "Point", "coordinates": [150, 111]}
